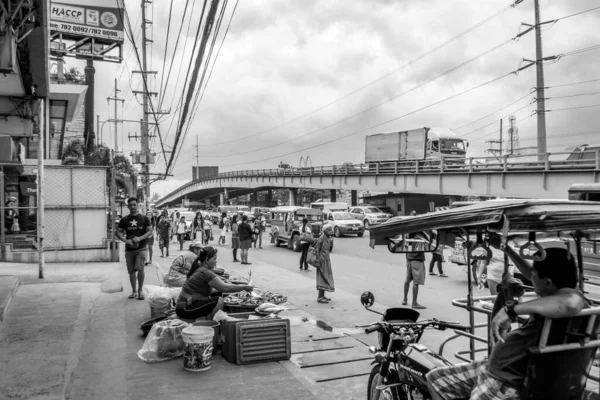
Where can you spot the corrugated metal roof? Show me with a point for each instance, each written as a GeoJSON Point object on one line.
{"type": "Point", "coordinates": [524, 215]}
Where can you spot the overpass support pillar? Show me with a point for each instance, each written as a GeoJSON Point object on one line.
{"type": "Point", "coordinates": [353, 198]}
{"type": "Point", "coordinates": [221, 199]}
{"type": "Point", "coordinates": [207, 203]}
{"type": "Point", "coordinates": [269, 198]}
{"type": "Point", "coordinates": [293, 193]}
{"type": "Point", "coordinates": [333, 195]}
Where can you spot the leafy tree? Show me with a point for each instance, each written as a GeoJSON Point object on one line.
{"type": "Point", "coordinates": [74, 154]}
{"type": "Point", "coordinates": [73, 75]}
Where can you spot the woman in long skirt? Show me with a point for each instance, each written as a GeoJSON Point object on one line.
{"type": "Point", "coordinates": [325, 281]}
{"type": "Point", "coordinates": [235, 237]}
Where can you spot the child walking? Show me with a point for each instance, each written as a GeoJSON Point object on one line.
{"type": "Point", "coordinates": [207, 231]}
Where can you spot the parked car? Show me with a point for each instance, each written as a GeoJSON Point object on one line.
{"type": "Point", "coordinates": [287, 232]}
{"type": "Point", "coordinates": [343, 223]}
{"type": "Point", "coordinates": [369, 215]}
{"type": "Point", "coordinates": [386, 210]}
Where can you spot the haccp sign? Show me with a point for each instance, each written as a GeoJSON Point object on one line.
{"type": "Point", "coordinates": [102, 20]}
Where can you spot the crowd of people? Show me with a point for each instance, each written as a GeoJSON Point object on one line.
{"type": "Point", "coordinates": [554, 280]}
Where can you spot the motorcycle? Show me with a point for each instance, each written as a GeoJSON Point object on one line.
{"type": "Point", "coordinates": [400, 362]}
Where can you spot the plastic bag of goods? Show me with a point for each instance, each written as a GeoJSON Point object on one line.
{"type": "Point", "coordinates": [164, 341]}
{"type": "Point", "coordinates": [159, 296]}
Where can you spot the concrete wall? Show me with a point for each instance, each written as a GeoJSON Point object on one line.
{"type": "Point", "coordinates": [99, 254]}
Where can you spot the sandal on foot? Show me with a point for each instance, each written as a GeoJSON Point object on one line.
{"type": "Point", "coordinates": [404, 302]}
{"type": "Point", "coordinates": [443, 276]}
{"type": "Point", "coordinates": [418, 307]}
{"type": "Point", "coordinates": [322, 300]}
{"type": "Point", "coordinates": [432, 273]}
{"type": "Point", "coordinates": [132, 295]}
{"type": "Point", "coordinates": [141, 297]}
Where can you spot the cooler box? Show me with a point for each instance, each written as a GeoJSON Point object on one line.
{"type": "Point", "coordinates": [251, 341]}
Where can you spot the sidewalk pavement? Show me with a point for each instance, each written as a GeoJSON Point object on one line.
{"type": "Point", "coordinates": [75, 335]}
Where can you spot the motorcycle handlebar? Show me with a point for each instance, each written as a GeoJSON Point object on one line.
{"type": "Point", "coordinates": [458, 327]}
{"type": "Point", "coordinates": [372, 328]}
{"type": "Point", "coordinates": [442, 325]}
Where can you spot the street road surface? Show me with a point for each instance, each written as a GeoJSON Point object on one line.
{"type": "Point", "coordinates": [356, 268]}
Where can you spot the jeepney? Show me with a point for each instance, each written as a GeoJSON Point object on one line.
{"type": "Point", "coordinates": [286, 222]}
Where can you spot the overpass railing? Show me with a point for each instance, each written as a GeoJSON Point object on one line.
{"type": "Point", "coordinates": [507, 163]}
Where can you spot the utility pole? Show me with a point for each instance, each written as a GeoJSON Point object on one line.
{"type": "Point", "coordinates": [540, 92]}
{"type": "Point", "coordinates": [144, 121]}
{"type": "Point", "coordinates": [498, 151]}
{"type": "Point", "coordinates": [541, 105]}
{"type": "Point", "coordinates": [116, 99]}
{"type": "Point", "coordinates": [197, 146]}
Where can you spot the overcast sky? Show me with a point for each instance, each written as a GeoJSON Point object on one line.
{"type": "Point", "coordinates": [285, 61]}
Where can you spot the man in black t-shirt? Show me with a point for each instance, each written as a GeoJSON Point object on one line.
{"type": "Point", "coordinates": [134, 230]}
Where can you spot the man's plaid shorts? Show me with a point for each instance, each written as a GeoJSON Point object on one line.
{"type": "Point", "coordinates": [470, 380]}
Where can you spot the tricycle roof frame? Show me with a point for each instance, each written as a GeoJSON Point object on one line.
{"type": "Point", "coordinates": [523, 215]}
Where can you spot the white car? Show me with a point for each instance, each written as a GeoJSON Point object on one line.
{"type": "Point", "coordinates": [343, 223]}
{"type": "Point", "coordinates": [369, 215]}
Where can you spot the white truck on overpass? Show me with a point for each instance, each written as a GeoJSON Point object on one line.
{"type": "Point", "coordinates": [416, 144]}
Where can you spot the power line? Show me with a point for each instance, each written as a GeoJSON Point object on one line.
{"type": "Point", "coordinates": [180, 102]}
{"type": "Point", "coordinates": [574, 108]}
{"type": "Point", "coordinates": [379, 124]}
{"type": "Point", "coordinates": [128, 31]}
{"type": "Point", "coordinates": [567, 135]}
{"type": "Point", "coordinates": [492, 113]}
{"type": "Point", "coordinates": [175, 49]}
{"type": "Point", "coordinates": [579, 51]}
{"type": "Point", "coordinates": [493, 122]}
{"type": "Point", "coordinates": [200, 92]}
{"type": "Point", "coordinates": [579, 13]}
{"type": "Point", "coordinates": [498, 130]}
{"type": "Point", "coordinates": [572, 83]}
{"type": "Point", "coordinates": [208, 25]}
{"type": "Point", "coordinates": [381, 78]}
{"type": "Point", "coordinates": [572, 95]}
{"type": "Point", "coordinates": [167, 46]}
{"type": "Point", "coordinates": [447, 72]}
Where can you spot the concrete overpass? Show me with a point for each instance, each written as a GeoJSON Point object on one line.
{"type": "Point", "coordinates": [519, 177]}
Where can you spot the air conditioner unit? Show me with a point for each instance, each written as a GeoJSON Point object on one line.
{"type": "Point", "coordinates": [8, 54]}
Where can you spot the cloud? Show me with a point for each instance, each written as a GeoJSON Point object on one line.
{"type": "Point", "coordinates": [284, 59]}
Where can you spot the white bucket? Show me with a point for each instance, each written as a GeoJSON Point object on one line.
{"type": "Point", "coordinates": [198, 347]}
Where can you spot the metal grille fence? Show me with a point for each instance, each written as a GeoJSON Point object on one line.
{"type": "Point", "coordinates": [75, 209]}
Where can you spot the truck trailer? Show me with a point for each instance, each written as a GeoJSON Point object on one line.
{"type": "Point", "coordinates": [416, 144]}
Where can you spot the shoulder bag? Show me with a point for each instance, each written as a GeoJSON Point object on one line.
{"type": "Point", "coordinates": [311, 257]}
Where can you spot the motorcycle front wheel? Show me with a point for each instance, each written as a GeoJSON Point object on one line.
{"type": "Point", "coordinates": [403, 392]}
{"type": "Point", "coordinates": [375, 379]}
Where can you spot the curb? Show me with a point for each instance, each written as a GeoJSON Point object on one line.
{"type": "Point", "coordinates": [11, 292]}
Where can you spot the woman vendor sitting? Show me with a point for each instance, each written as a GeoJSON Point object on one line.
{"type": "Point", "coordinates": [201, 293]}
{"type": "Point", "coordinates": [182, 264]}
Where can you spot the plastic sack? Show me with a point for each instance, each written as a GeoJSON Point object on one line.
{"type": "Point", "coordinates": [159, 296]}
{"type": "Point", "coordinates": [222, 316]}
{"type": "Point", "coordinates": [163, 342]}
